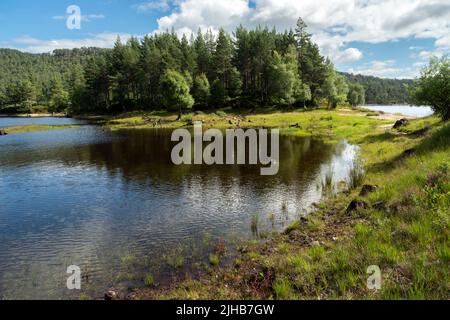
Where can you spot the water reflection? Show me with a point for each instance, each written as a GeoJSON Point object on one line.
{"type": "Point", "coordinates": [88, 197]}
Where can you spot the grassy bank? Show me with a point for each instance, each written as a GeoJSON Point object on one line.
{"type": "Point", "coordinates": [402, 226]}
{"type": "Point", "coordinates": [36, 127]}
{"type": "Point", "coordinates": [341, 123]}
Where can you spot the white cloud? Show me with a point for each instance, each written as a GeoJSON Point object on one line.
{"type": "Point", "coordinates": [206, 14]}
{"type": "Point", "coordinates": [101, 40]}
{"type": "Point", "coordinates": [443, 43]}
{"type": "Point", "coordinates": [350, 54]}
{"type": "Point", "coordinates": [386, 69]}
{"type": "Point", "coordinates": [158, 5]}
{"type": "Point", "coordinates": [334, 23]}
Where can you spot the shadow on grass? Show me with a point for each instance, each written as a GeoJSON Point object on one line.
{"type": "Point", "coordinates": [385, 136]}
{"type": "Point", "coordinates": [439, 140]}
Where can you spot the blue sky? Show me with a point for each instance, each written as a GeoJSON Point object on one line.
{"type": "Point", "coordinates": [386, 38]}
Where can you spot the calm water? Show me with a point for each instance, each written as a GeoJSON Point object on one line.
{"type": "Point", "coordinates": [114, 204]}
{"type": "Point", "coordinates": [19, 121]}
{"type": "Point", "coordinates": [412, 111]}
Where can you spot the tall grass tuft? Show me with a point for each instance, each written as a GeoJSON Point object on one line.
{"type": "Point", "coordinates": [254, 224]}
{"type": "Point", "coordinates": [356, 175]}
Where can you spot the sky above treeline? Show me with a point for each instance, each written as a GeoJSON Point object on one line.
{"type": "Point", "coordinates": [384, 38]}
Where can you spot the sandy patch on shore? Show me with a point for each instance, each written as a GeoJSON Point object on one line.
{"type": "Point", "coordinates": [381, 116]}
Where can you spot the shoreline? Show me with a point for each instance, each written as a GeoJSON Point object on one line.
{"type": "Point", "coordinates": [35, 115]}
{"type": "Point", "coordinates": [335, 235]}
{"type": "Point", "coordinates": [34, 128]}
{"type": "Point", "coordinates": [310, 248]}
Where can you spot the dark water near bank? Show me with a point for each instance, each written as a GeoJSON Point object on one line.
{"type": "Point", "coordinates": [113, 203]}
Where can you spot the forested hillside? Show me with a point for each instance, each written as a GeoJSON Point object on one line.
{"type": "Point", "coordinates": [382, 91]}
{"type": "Point", "coordinates": [249, 68]}
{"type": "Point", "coordinates": [26, 79]}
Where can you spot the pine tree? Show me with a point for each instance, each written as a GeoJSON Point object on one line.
{"type": "Point", "coordinates": [77, 88]}
{"type": "Point", "coordinates": [59, 97]}
{"type": "Point", "coordinates": [312, 66]}
{"type": "Point", "coordinates": [202, 53]}
{"type": "Point", "coordinates": [189, 62]}
{"type": "Point", "coordinates": [218, 94]}
{"type": "Point", "coordinates": [222, 58]}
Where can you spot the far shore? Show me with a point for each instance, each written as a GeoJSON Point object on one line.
{"type": "Point", "coordinates": [35, 115]}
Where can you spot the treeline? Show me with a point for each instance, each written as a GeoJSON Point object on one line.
{"type": "Point", "coordinates": [247, 69]}
{"type": "Point", "coordinates": [383, 91]}
{"type": "Point", "coordinates": [27, 80]}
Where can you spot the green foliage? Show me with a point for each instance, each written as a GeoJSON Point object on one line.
{"type": "Point", "coordinates": [234, 86]}
{"type": "Point", "coordinates": [176, 91]}
{"type": "Point", "coordinates": [285, 86]}
{"type": "Point", "coordinates": [283, 290]}
{"type": "Point", "coordinates": [356, 94]}
{"type": "Point", "coordinates": [259, 66]}
{"type": "Point", "coordinates": [175, 258]}
{"type": "Point", "coordinates": [149, 280]}
{"type": "Point", "coordinates": [214, 260]}
{"type": "Point", "coordinates": [312, 65]}
{"type": "Point", "coordinates": [335, 88]}
{"type": "Point", "coordinates": [381, 91]}
{"type": "Point", "coordinates": [254, 224]}
{"type": "Point", "coordinates": [218, 93]}
{"type": "Point", "coordinates": [433, 87]}
{"type": "Point", "coordinates": [201, 90]}
{"type": "Point", "coordinates": [59, 97]}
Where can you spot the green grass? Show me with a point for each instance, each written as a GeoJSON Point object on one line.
{"type": "Point", "coordinates": [36, 127]}
{"type": "Point", "coordinates": [327, 255]}
{"type": "Point", "coordinates": [331, 124]}
{"type": "Point", "coordinates": [254, 223]}
{"type": "Point", "coordinates": [214, 260]}
{"type": "Point", "coordinates": [149, 280]}
{"type": "Point", "coordinates": [176, 258]}
{"type": "Point", "coordinates": [283, 290]}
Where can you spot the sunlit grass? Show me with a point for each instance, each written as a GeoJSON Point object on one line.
{"type": "Point", "coordinates": [36, 127]}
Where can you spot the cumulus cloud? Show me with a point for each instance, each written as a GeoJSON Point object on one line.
{"type": "Point", "coordinates": [386, 69]}
{"type": "Point", "coordinates": [334, 24]}
{"type": "Point", "coordinates": [206, 14]}
{"type": "Point", "coordinates": [102, 40]}
{"type": "Point", "coordinates": [350, 54]}
{"type": "Point", "coordinates": [337, 26]}
{"type": "Point", "coordinates": [161, 5]}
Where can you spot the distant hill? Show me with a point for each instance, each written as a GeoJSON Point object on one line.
{"type": "Point", "coordinates": [382, 91]}
{"type": "Point", "coordinates": [40, 68]}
